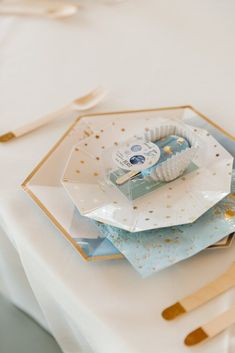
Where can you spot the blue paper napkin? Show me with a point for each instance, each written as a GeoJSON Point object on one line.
{"type": "Point", "coordinates": [153, 250]}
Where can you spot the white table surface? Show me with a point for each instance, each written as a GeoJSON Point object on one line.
{"type": "Point", "coordinates": [148, 54]}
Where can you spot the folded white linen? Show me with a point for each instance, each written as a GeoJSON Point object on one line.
{"type": "Point", "coordinates": [106, 303]}
{"type": "Point", "coordinates": [14, 284]}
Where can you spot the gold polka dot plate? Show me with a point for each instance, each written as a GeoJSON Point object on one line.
{"type": "Point", "coordinates": [180, 201]}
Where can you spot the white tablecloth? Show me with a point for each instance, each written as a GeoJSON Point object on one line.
{"type": "Point", "coordinates": [148, 54]}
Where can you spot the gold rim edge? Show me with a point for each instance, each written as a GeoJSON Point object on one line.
{"type": "Point", "coordinates": [44, 159]}
{"type": "Point", "coordinates": [228, 243]}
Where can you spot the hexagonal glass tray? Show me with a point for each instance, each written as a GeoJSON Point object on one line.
{"type": "Point", "coordinates": [44, 186]}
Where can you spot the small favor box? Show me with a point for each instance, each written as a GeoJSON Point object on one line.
{"type": "Point", "coordinates": [141, 165]}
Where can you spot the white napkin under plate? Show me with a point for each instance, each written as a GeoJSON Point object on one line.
{"type": "Point", "coordinates": [106, 303]}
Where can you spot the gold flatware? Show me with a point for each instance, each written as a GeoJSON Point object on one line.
{"type": "Point", "coordinates": [80, 104]}
{"type": "Point", "coordinates": [200, 297]}
{"type": "Point", "coordinates": [53, 10]}
{"type": "Point", "coordinates": [211, 328]}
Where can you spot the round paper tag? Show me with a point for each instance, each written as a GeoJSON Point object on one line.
{"type": "Point", "coordinates": [136, 156]}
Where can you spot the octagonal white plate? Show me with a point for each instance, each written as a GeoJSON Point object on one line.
{"type": "Point", "coordinates": [178, 202]}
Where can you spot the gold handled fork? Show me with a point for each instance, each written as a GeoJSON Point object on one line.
{"type": "Point", "coordinates": [80, 104]}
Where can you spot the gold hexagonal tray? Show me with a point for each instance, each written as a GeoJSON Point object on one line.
{"type": "Point", "coordinates": [43, 185]}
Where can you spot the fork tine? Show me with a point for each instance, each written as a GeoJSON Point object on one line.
{"type": "Point", "coordinates": [84, 103]}
{"type": "Point", "coordinates": [86, 98]}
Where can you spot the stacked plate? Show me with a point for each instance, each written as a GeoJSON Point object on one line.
{"type": "Point", "coordinates": [172, 222]}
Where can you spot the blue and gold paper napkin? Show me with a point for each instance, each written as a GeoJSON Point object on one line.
{"type": "Point", "coordinates": [153, 250]}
